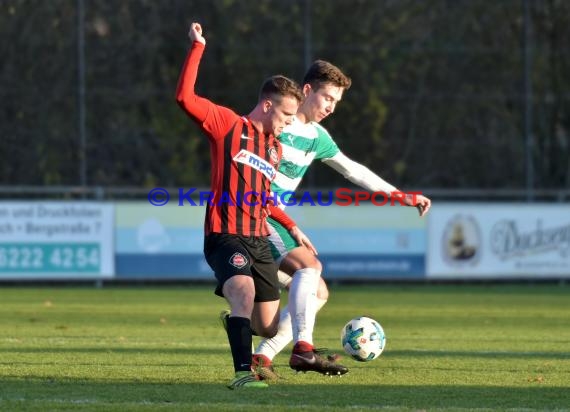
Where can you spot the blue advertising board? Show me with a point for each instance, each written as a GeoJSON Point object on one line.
{"type": "Point", "coordinates": [357, 242]}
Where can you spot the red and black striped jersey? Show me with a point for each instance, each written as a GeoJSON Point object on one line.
{"type": "Point", "coordinates": [244, 161]}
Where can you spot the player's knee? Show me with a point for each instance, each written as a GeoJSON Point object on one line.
{"type": "Point", "coordinates": [240, 295]}
{"type": "Point", "coordinates": [242, 308]}
{"type": "Point", "coordinates": [317, 265]}
{"type": "Point", "coordinates": [301, 258]}
{"type": "Point", "coordinates": [243, 296]}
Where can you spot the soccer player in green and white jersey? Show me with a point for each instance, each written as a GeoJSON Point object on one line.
{"type": "Point", "coordinates": [300, 271]}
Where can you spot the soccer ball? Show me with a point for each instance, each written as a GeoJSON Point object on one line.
{"type": "Point", "coordinates": [363, 338]}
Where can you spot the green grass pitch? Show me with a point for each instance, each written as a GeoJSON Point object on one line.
{"type": "Point", "coordinates": [449, 348]}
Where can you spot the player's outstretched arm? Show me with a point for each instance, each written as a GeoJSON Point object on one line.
{"type": "Point", "coordinates": [358, 174]}
{"type": "Point", "coordinates": [367, 179]}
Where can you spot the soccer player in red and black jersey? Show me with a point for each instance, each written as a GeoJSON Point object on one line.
{"type": "Point", "coordinates": [245, 154]}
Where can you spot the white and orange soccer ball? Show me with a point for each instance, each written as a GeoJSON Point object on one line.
{"type": "Point", "coordinates": [363, 339]}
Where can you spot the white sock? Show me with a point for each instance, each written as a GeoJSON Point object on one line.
{"type": "Point", "coordinates": [303, 303]}
{"type": "Point", "coordinates": [271, 347]}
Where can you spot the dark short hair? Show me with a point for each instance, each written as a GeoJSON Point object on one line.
{"type": "Point", "coordinates": [322, 72]}
{"type": "Point", "coordinates": [279, 86]}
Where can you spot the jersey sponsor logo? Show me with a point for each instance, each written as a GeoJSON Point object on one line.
{"type": "Point", "coordinates": [243, 136]}
{"type": "Point", "coordinates": [238, 260]}
{"type": "Point", "coordinates": [252, 160]}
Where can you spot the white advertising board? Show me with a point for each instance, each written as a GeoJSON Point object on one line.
{"type": "Point", "coordinates": [515, 240]}
{"type": "Point", "coordinates": [43, 240]}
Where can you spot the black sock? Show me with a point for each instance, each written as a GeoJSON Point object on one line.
{"type": "Point", "coordinates": [239, 336]}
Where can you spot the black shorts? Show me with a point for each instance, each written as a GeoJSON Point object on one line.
{"type": "Point", "coordinates": [230, 255]}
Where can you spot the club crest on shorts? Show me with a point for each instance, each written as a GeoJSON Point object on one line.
{"type": "Point", "coordinates": [238, 260]}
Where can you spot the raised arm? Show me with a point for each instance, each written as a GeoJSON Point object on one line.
{"type": "Point", "coordinates": [185, 95]}
{"type": "Point", "coordinates": [216, 120]}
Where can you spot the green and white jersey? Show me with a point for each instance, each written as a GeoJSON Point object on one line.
{"type": "Point", "coordinates": [302, 143]}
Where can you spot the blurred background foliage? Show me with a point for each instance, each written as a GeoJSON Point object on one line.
{"type": "Point", "coordinates": [438, 95]}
